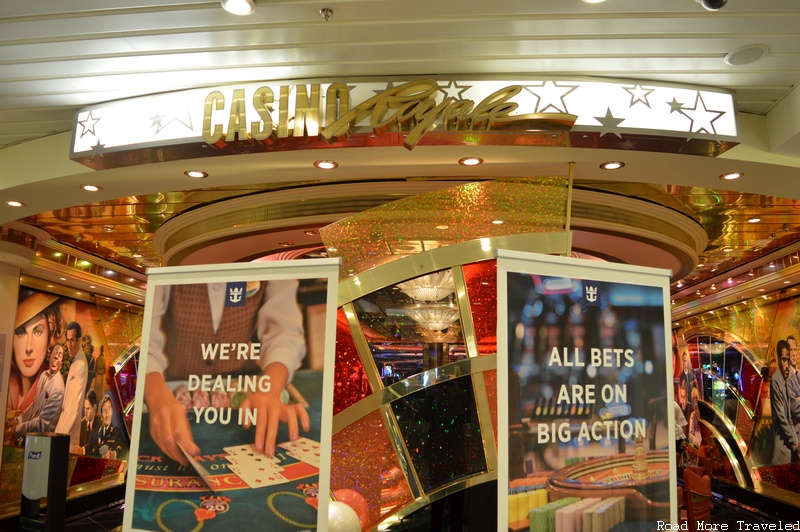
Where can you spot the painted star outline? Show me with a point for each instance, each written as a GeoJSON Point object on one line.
{"type": "Point", "coordinates": [551, 94]}
{"type": "Point", "coordinates": [161, 120]}
{"type": "Point", "coordinates": [609, 123]}
{"type": "Point", "coordinates": [454, 90]}
{"type": "Point", "coordinates": [88, 124]}
{"type": "Point", "coordinates": [638, 94]}
{"type": "Point", "coordinates": [700, 113]}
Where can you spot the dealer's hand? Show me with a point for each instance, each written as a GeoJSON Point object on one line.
{"type": "Point", "coordinates": [270, 410]}
{"type": "Point", "coordinates": [169, 425]}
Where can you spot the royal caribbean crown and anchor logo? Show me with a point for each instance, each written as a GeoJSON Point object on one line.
{"type": "Point", "coordinates": [235, 293]}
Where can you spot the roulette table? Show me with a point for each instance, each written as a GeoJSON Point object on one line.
{"type": "Point", "coordinates": [172, 497]}
{"type": "Point", "coordinates": [646, 498]}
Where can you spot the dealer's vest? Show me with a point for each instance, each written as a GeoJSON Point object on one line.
{"type": "Point", "coordinates": [187, 324]}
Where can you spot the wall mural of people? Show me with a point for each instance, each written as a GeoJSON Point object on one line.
{"type": "Point", "coordinates": [53, 384]}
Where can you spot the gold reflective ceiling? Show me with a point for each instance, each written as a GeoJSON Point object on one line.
{"type": "Point", "coordinates": [122, 230]}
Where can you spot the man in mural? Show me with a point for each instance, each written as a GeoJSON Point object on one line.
{"type": "Point", "coordinates": [42, 415]}
{"type": "Point", "coordinates": [786, 447]}
{"type": "Point", "coordinates": [794, 385]}
{"type": "Point", "coordinates": [186, 317]}
{"type": "Point", "coordinates": [91, 420]}
{"type": "Point", "coordinates": [688, 372]}
{"type": "Point", "coordinates": [75, 391]}
{"type": "Point", "coordinates": [106, 441]}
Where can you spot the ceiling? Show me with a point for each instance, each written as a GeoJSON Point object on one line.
{"type": "Point", "coordinates": [56, 57]}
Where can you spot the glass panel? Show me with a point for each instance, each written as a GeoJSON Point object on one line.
{"type": "Point", "coordinates": [349, 380]}
{"type": "Point", "coordinates": [412, 326]}
{"type": "Point", "coordinates": [750, 381]}
{"type": "Point", "coordinates": [481, 281]}
{"type": "Point", "coordinates": [364, 467]}
{"type": "Point", "coordinates": [440, 427]}
{"type": "Point", "coordinates": [490, 380]}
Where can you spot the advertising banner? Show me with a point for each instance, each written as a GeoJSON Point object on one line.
{"type": "Point", "coordinates": [586, 437]}
{"type": "Point", "coordinates": [232, 379]}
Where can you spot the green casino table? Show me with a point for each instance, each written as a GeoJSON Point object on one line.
{"type": "Point", "coordinates": [172, 497]}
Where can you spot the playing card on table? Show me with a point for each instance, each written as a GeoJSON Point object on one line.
{"type": "Point", "coordinates": [255, 469]}
{"type": "Point", "coordinates": [303, 449]}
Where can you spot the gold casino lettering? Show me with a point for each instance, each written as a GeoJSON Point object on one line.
{"type": "Point", "coordinates": [410, 107]}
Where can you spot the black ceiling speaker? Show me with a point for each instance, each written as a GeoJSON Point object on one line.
{"type": "Point", "coordinates": [713, 5]}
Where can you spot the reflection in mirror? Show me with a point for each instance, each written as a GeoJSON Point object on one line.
{"type": "Point", "coordinates": [412, 326]}
{"type": "Point", "coordinates": [125, 380]}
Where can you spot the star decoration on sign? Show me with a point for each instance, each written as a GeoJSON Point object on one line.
{"type": "Point", "coordinates": [87, 125]}
{"type": "Point", "coordinates": [161, 119]}
{"type": "Point", "coordinates": [551, 96]}
{"type": "Point", "coordinates": [702, 118]}
{"type": "Point", "coordinates": [389, 85]}
{"type": "Point", "coordinates": [609, 123]}
{"type": "Point", "coordinates": [638, 94]}
{"type": "Point", "coordinates": [454, 90]}
{"type": "Point", "coordinates": [675, 105]}
{"type": "Point", "coordinates": [97, 150]}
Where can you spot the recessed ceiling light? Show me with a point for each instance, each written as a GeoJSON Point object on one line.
{"type": "Point", "coordinates": [612, 165]}
{"type": "Point", "coordinates": [593, 1]}
{"type": "Point", "coordinates": [470, 161]}
{"type": "Point", "coordinates": [727, 249]}
{"type": "Point", "coordinates": [195, 174]}
{"type": "Point", "coordinates": [14, 203]}
{"type": "Point", "coordinates": [311, 232]}
{"type": "Point", "coordinates": [731, 176]}
{"type": "Point", "coordinates": [754, 219]}
{"type": "Point", "coordinates": [91, 188]}
{"type": "Point", "coordinates": [285, 244]}
{"type": "Point", "coordinates": [238, 7]}
{"type": "Point", "coordinates": [442, 227]}
{"type": "Point", "coordinates": [326, 165]}
{"type": "Point", "coordinates": [497, 222]}
{"type": "Point", "coordinates": [746, 54]}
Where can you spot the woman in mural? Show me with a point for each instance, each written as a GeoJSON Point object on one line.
{"type": "Point", "coordinates": [41, 415]}
{"type": "Point", "coordinates": [695, 436]}
{"type": "Point", "coordinates": [37, 328]}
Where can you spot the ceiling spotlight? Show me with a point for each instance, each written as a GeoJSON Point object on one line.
{"type": "Point", "coordinates": [326, 165]}
{"type": "Point", "coordinates": [593, 1]}
{"type": "Point", "coordinates": [470, 161]}
{"type": "Point", "coordinates": [195, 174]}
{"type": "Point", "coordinates": [238, 7]}
{"type": "Point", "coordinates": [612, 165]}
{"type": "Point", "coordinates": [713, 5]}
{"type": "Point", "coordinates": [91, 188]}
{"type": "Point", "coordinates": [326, 13]}
{"type": "Point", "coordinates": [14, 203]}
{"type": "Point", "coordinates": [731, 176]}
{"type": "Point", "coordinates": [285, 244]}
{"type": "Point", "coordinates": [754, 219]}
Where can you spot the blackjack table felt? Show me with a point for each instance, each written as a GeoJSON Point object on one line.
{"type": "Point", "coordinates": [172, 497]}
